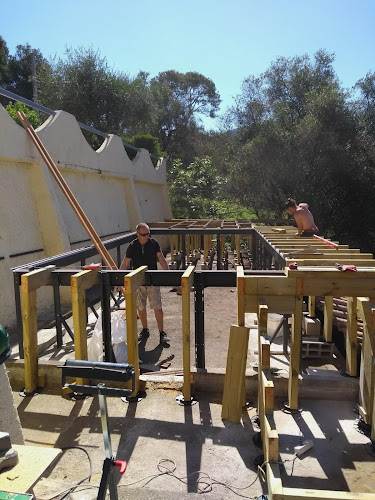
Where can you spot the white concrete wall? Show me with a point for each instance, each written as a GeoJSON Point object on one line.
{"type": "Point", "coordinates": [115, 193]}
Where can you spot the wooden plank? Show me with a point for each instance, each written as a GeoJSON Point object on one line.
{"type": "Point", "coordinates": [268, 392]}
{"type": "Point", "coordinates": [328, 318]}
{"type": "Point", "coordinates": [235, 373]}
{"type": "Point", "coordinates": [269, 285]}
{"type": "Point", "coordinates": [264, 353]}
{"type": "Point", "coordinates": [278, 304]}
{"type": "Point", "coordinates": [79, 283]}
{"type": "Point", "coordinates": [85, 279]}
{"type": "Point", "coordinates": [366, 311]}
{"type": "Point", "coordinates": [351, 341]}
{"type": "Point", "coordinates": [305, 494]}
{"type": "Point", "coordinates": [311, 306]}
{"type": "Point", "coordinates": [30, 336]}
{"type": "Point", "coordinates": [271, 440]}
{"type": "Point", "coordinates": [340, 287]}
{"type": "Point", "coordinates": [329, 272]}
{"type": "Point", "coordinates": [356, 261]}
{"type": "Point", "coordinates": [131, 323]}
{"type": "Point", "coordinates": [39, 278]}
{"type": "Point", "coordinates": [274, 481]}
{"type": "Point", "coordinates": [295, 354]}
{"type": "Point", "coordinates": [340, 255]}
{"type": "Point", "coordinates": [262, 319]}
{"type": "Point", "coordinates": [241, 296]}
{"type": "Point", "coordinates": [135, 279]}
{"type": "Point", "coordinates": [186, 283]}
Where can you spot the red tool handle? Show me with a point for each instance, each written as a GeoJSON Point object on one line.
{"type": "Point", "coordinates": [121, 464]}
{"type": "Point", "coordinates": [91, 266]}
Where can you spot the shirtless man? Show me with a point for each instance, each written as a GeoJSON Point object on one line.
{"type": "Point", "coordinates": [303, 217]}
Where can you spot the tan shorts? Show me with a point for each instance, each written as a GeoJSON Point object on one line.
{"type": "Point", "coordinates": [153, 294]}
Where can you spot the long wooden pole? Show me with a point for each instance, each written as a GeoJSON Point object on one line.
{"type": "Point", "coordinates": [103, 252]}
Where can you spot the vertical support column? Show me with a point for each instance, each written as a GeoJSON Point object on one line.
{"type": "Point", "coordinates": [132, 282]}
{"type": "Point", "coordinates": [30, 282]}
{"type": "Point", "coordinates": [218, 251]}
{"type": "Point", "coordinates": [183, 256]}
{"type": "Point", "coordinates": [328, 318]}
{"type": "Point", "coordinates": [200, 361]}
{"type": "Point", "coordinates": [351, 341]}
{"type": "Point", "coordinates": [238, 248]}
{"type": "Point", "coordinates": [57, 306]}
{"type": "Point", "coordinates": [240, 296]}
{"type": "Point", "coordinates": [222, 246]}
{"type": "Point", "coordinates": [366, 311]}
{"type": "Point", "coordinates": [311, 306]}
{"type": "Point", "coordinates": [206, 246]}
{"type": "Point", "coordinates": [295, 354]}
{"type": "Point", "coordinates": [264, 359]}
{"type": "Point", "coordinates": [235, 373]}
{"type": "Point", "coordinates": [186, 284]}
{"type": "Point", "coordinates": [79, 283]}
{"type": "Point", "coordinates": [17, 298]}
{"type": "Point", "coordinates": [106, 318]}
{"type": "Point", "coordinates": [30, 335]}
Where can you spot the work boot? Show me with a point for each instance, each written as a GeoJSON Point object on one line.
{"type": "Point", "coordinates": [145, 333]}
{"type": "Point", "coordinates": [164, 339]}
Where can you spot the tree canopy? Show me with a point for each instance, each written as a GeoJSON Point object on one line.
{"type": "Point", "coordinates": [292, 131]}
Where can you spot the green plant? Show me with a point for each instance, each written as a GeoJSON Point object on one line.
{"type": "Point", "coordinates": [145, 141]}
{"type": "Point", "coordinates": [31, 115]}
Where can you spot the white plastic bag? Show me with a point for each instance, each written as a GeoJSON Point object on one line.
{"type": "Point", "coordinates": [118, 333]}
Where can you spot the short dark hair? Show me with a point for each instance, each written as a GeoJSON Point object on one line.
{"type": "Point", "coordinates": [290, 203]}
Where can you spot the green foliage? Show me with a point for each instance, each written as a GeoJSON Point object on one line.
{"type": "Point", "coordinates": [31, 115]}
{"type": "Point", "coordinates": [145, 141]}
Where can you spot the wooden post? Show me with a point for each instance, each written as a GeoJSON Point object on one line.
{"type": "Point", "coordinates": [222, 246]}
{"type": "Point", "coordinates": [240, 296]}
{"type": "Point", "coordinates": [30, 282]}
{"type": "Point", "coordinates": [206, 246]}
{"type": "Point", "coordinates": [312, 306]}
{"type": "Point", "coordinates": [186, 284]}
{"type": "Point", "coordinates": [366, 311]}
{"type": "Point", "coordinates": [351, 341]}
{"type": "Point", "coordinates": [132, 282]}
{"type": "Point", "coordinates": [79, 283]}
{"type": "Point", "coordinates": [238, 248]}
{"type": "Point", "coordinates": [295, 354]}
{"type": "Point", "coordinates": [328, 318]}
{"type": "Point", "coordinates": [235, 373]}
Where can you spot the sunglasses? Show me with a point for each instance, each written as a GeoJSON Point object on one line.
{"type": "Point", "coordinates": [144, 234]}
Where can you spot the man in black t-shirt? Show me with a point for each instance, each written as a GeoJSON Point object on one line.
{"type": "Point", "coordinates": [145, 251]}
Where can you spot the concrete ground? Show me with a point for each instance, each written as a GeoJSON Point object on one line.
{"type": "Point", "coordinates": [169, 447]}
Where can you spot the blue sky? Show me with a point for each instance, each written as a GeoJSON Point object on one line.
{"type": "Point", "coordinates": [224, 40]}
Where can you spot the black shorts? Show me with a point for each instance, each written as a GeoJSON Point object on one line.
{"type": "Point", "coordinates": [306, 234]}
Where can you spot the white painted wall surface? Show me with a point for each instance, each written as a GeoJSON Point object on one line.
{"type": "Point", "coordinates": [115, 193]}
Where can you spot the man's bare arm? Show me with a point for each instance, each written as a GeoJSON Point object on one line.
{"type": "Point", "coordinates": [125, 263]}
{"type": "Point", "coordinates": [162, 261]}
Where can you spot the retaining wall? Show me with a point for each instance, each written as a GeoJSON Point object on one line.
{"type": "Point", "coordinates": [35, 218]}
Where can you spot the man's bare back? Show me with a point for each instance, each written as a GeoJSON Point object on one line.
{"type": "Point", "coordinates": [303, 217]}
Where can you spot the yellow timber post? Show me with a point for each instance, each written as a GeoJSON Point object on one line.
{"type": "Point", "coordinates": [186, 284]}
{"type": "Point", "coordinates": [79, 283]}
{"type": "Point", "coordinates": [132, 282]}
{"type": "Point", "coordinates": [366, 311]}
{"type": "Point", "coordinates": [30, 282]}
{"type": "Point", "coordinates": [295, 351]}
{"type": "Point", "coordinates": [351, 341]}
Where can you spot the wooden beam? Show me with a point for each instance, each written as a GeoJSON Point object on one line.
{"type": "Point", "coordinates": [235, 373]}
{"type": "Point", "coordinates": [295, 355]}
{"type": "Point", "coordinates": [351, 340]}
{"type": "Point", "coordinates": [241, 295]}
{"type": "Point", "coordinates": [305, 494]}
{"type": "Point", "coordinates": [30, 336]}
{"type": "Point", "coordinates": [186, 284]}
{"type": "Point", "coordinates": [39, 278]}
{"type": "Point", "coordinates": [328, 318]}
